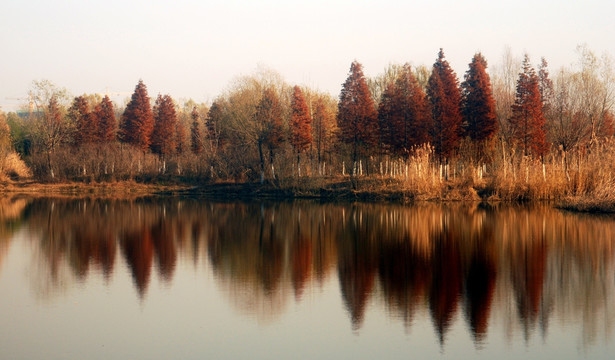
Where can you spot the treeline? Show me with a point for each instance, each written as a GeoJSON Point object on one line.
{"type": "Point", "coordinates": [261, 128]}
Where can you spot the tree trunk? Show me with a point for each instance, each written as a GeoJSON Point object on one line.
{"type": "Point", "coordinates": [271, 157]}
{"type": "Point", "coordinates": [49, 164]}
{"type": "Point", "coordinates": [262, 160]}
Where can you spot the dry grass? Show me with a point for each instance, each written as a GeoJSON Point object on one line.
{"type": "Point", "coordinates": [11, 166]}
{"type": "Point", "coordinates": [592, 185]}
{"type": "Point", "coordinates": [581, 179]}
{"type": "Point", "coordinates": [585, 177]}
{"type": "Point", "coordinates": [595, 188]}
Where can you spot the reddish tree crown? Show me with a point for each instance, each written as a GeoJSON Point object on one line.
{"type": "Point", "coordinates": [402, 114]}
{"type": "Point", "coordinates": [86, 127]}
{"type": "Point", "coordinates": [137, 121]}
{"type": "Point", "coordinates": [107, 125]}
{"type": "Point", "coordinates": [528, 121]}
{"type": "Point", "coordinates": [357, 117]}
{"type": "Point", "coordinates": [164, 140]}
{"type": "Point", "coordinates": [445, 98]}
{"type": "Point", "coordinates": [478, 105]}
{"type": "Point", "coordinates": [300, 122]}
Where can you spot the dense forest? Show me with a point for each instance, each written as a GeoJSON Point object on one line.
{"type": "Point", "coordinates": [511, 132]}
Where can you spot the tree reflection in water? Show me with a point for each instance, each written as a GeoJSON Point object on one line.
{"type": "Point", "coordinates": [11, 210]}
{"type": "Point", "coordinates": [450, 261]}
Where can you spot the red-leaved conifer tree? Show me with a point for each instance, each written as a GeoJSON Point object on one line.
{"type": "Point", "coordinates": [357, 117]}
{"type": "Point", "coordinates": [445, 98]}
{"type": "Point", "coordinates": [84, 121]}
{"type": "Point", "coordinates": [478, 105]}
{"type": "Point", "coordinates": [300, 125]}
{"type": "Point", "coordinates": [403, 114]}
{"type": "Point", "coordinates": [527, 120]}
{"type": "Point", "coordinates": [137, 121]}
{"type": "Point", "coordinates": [165, 125]}
{"type": "Point", "coordinates": [107, 124]}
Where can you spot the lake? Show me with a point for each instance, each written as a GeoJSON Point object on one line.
{"type": "Point", "coordinates": [166, 278]}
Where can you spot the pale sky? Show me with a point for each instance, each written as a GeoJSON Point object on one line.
{"type": "Point", "coordinates": [193, 49]}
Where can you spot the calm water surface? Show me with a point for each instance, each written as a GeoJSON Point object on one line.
{"type": "Point", "coordinates": [180, 278]}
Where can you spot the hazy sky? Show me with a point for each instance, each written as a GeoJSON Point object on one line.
{"type": "Point", "coordinates": [193, 49]}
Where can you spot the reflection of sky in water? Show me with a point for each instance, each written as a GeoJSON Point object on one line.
{"type": "Point", "coordinates": [215, 290]}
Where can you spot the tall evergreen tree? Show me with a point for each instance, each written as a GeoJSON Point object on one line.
{"type": "Point", "coordinates": [300, 125]}
{"type": "Point", "coordinates": [528, 121]}
{"type": "Point", "coordinates": [86, 127]}
{"type": "Point", "coordinates": [403, 114]}
{"type": "Point", "coordinates": [445, 98]}
{"type": "Point", "coordinates": [107, 124]}
{"type": "Point", "coordinates": [137, 121]}
{"type": "Point", "coordinates": [357, 117]}
{"type": "Point", "coordinates": [196, 143]}
{"type": "Point", "coordinates": [165, 122]}
{"type": "Point", "coordinates": [478, 105]}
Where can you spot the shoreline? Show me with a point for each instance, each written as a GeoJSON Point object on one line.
{"type": "Point", "coordinates": [119, 189]}
{"type": "Point", "coordinates": [328, 191]}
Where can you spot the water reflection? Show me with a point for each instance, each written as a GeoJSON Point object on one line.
{"type": "Point", "coordinates": [11, 210]}
{"type": "Point", "coordinates": [518, 265]}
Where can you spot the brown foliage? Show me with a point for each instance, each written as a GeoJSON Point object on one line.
{"type": "Point", "coordinates": [478, 105]}
{"type": "Point", "coordinates": [445, 98]}
{"type": "Point", "coordinates": [528, 121]}
{"type": "Point", "coordinates": [403, 114]}
{"type": "Point", "coordinates": [323, 125]}
{"type": "Point", "coordinates": [107, 124]}
{"type": "Point", "coordinates": [357, 117]}
{"type": "Point", "coordinates": [268, 119]}
{"type": "Point", "coordinates": [137, 122]}
{"type": "Point", "coordinates": [165, 122]}
{"type": "Point", "coordinates": [85, 122]}
{"type": "Point", "coordinates": [300, 122]}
